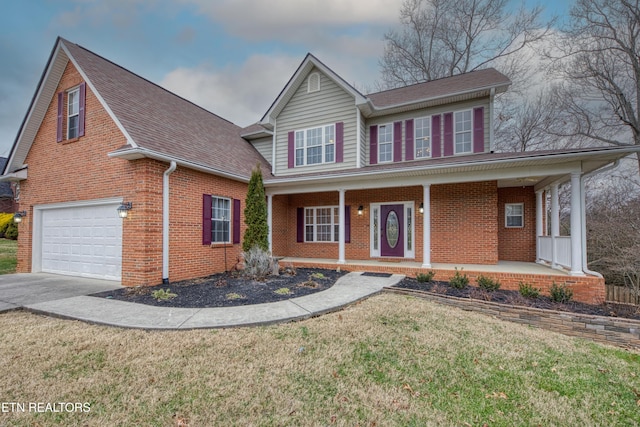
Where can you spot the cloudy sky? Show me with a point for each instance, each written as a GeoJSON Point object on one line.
{"type": "Point", "coordinates": [230, 56]}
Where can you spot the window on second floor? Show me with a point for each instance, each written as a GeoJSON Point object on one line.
{"type": "Point", "coordinates": [73, 113]}
{"type": "Point", "coordinates": [463, 140]}
{"type": "Point", "coordinates": [422, 137]}
{"type": "Point", "coordinates": [315, 145]}
{"type": "Point", "coordinates": [385, 143]}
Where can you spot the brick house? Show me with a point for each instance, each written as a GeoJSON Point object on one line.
{"type": "Point", "coordinates": [401, 180]}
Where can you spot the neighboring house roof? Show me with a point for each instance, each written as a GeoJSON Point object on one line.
{"type": "Point", "coordinates": [157, 123]}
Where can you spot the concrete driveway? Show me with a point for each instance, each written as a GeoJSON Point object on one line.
{"type": "Point", "coordinates": [18, 290]}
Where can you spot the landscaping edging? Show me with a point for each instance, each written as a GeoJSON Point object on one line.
{"type": "Point", "coordinates": [609, 330]}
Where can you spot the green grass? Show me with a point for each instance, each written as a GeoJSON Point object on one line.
{"type": "Point", "coordinates": [8, 256]}
{"type": "Point", "coordinates": [388, 361]}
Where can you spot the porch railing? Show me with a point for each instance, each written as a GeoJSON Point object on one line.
{"type": "Point", "coordinates": [562, 252]}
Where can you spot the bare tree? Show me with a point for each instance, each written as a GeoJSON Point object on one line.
{"type": "Point", "coordinates": [441, 38]}
{"type": "Point", "coordinates": [598, 60]}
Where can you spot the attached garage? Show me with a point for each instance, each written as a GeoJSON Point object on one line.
{"type": "Point", "coordinates": [79, 239]}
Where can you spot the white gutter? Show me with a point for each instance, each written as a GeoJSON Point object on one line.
{"type": "Point", "coordinates": [165, 222]}
{"type": "Point", "coordinates": [583, 213]}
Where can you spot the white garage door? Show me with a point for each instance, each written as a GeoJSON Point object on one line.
{"type": "Point", "coordinates": [83, 241]}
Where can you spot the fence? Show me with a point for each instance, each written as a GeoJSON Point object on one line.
{"type": "Point", "coordinates": [622, 294]}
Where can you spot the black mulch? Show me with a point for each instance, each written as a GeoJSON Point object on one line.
{"type": "Point", "coordinates": [514, 298]}
{"type": "Point", "coordinates": [230, 289]}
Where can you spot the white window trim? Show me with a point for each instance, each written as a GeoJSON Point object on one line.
{"type": "Point", "coordinates": [315, 224]}
{"type": "Point", "coordinates": [75, 91]}
{"type": "Point", "coordinates": [408, 254]}
{"type": "Point", "coordinates": [226, 220]}
{"type": "Point", "coordinates": [415, 138]}
{"type": "Point", "coordinates": [506, 225]}
{"type": "Point", "coordinates": [311, 89]}
{"type": "Point", "coordinates": [456, 132]}
{"type": "Point", "coordinates": [305, 146]}
{"type": "Point", "coordinates": [390, 125]}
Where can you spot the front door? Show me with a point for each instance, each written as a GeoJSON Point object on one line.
{"type": "Point", "coordinates": [392, 232]}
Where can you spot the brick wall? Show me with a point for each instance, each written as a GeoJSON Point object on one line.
{"type": "Point", "coordinates": [517, 244]}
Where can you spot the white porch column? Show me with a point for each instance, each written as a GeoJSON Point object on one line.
{"type": "Point", "coordinates": [555, 224]}
{"type": "Point", "coordinates": [426, 226]}
{"type": "Point", "coordinates": [270, 221]}
{"type": "Point", "coordinates": [539, 217]}
{"type": "Point", "coordinates": [576, 225]}
{"type": "Point", "coordinates": [341, 228]}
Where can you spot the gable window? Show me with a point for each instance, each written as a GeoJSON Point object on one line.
{"type": "Point", "coordinates": [321, 224]}
{"type": "Point", "coordinates": [385, 143]}
{"type": "Point", "coordinates": [313, 83]}
{"type": "Point", "coordinates": [422, 137]}
{"type": "Point", "coordinates": [514, 215]}
{"type": "Point", "coordinates": [463, 132]}
{"type": "Point", "coordinates": [315, 145]}
{"type": "Point", "coordinates": [73, 113]}
{"type": "Point", "coordinates": [220, 220]}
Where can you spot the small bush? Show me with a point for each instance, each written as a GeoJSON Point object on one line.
{"type": "Point", "coordinates": [283, 291]}
{"type": "Point", "coordinates": [317, 275]}
{"type": "Point", "coordinates": [425, 277]}
{"type": "Point", "coordinates": [257, 263]}
{"type": "Point", "coordinates": [488, 284]}
{"type": "Point", "coordinates": [11, 231]}
{"type": "Point", "coordinates": [560, 293]}
{"type": "Point", "coordinates": [234, 296]}
{"type": "Point", "coordinates": [528, 291]}
{"type": "Point", "coordinates": [6, 219]}
{"type": "Point", "coordinates": [459, 281]}
{"type": "Point", "coordinates": [163, 295]}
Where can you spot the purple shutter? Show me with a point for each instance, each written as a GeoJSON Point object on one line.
{"type": "Point", "coordinates": [478, 130]}
{"type": "Point", "coordinates": [300, 225]}
{"type": "Point", "coordinates": [236, 221]}
{"type": "Point", "coordinates": [339, 142]}
{"type": "Point", "coordinates": [397, 141]}
{"type": "Point", "coordinates": [81, 108]}
{"type": "Point", "coordinates": [436, 149]}
{"type": "Point", "coordinates": [408, 135]}
{"type": "Point", "coordinates": [291, 139]}
{"type": "Point", "coordinates": [448, 134]}
{"type": "Point", "coordinates": [206, 219]}
{"type": "Point", "coordinates": [60, 109]}
{"type": "Point", "coordinates": [373, 145]}
{"type": "Point", "coordinates": [347, 224]}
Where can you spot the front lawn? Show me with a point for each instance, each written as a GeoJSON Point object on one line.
{"type": "Point", "coordinates": [8, 260]}
{"type": "Point", "coordinates": [388, 361]}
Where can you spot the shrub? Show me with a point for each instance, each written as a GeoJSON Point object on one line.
{"type": "Point", "coordinates": [257, 263]}
{"type": "Point", "coordinates": [560, 293]}
{"type": "Point", "coordinates": [6, 219]}
{"type": "Point", "coordinates": [255, 214]}
{"type": "Point", "coordinates": [163, 294]}
{"type": "Point", "coordinates": [11, 231]}
{"type": "Point", "coordinates": [459, 281]}
{"type": "Point", "coordinates": [425, 277]}
{"type": "Point", "coordinates": [528, 291]}
{"type": "Point", "coordinates": [283, 291]}
{"type": "Point", "coordinates": [488, 284]}
{"type": "Point", "coordinates": [234, 296]}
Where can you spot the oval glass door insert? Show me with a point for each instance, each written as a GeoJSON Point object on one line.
{"type": "Point", "coordinates": [393, 229]}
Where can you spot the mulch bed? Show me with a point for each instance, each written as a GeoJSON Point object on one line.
{"type": "Point", "coordinates": [231, 289]}
{"type": "Point", "coordinates": [514, 298]}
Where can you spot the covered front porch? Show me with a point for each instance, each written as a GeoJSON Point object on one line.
{"type": "Point", "coordinates": [588, 288]}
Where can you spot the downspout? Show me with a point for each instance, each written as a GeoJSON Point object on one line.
{"type": "Point", "coordinates": [165, 222]}
{"type": "Point", "coordinates": [491, 124]}
{"type": "Point", "coordinates": [583, 213]}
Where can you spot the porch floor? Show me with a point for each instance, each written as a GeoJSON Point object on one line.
{"type": "Point", "coordinates": [509, 267]}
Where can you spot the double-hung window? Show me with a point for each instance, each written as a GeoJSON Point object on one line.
{"type": "Point", "coordinates": [321, 224]}
{"type": "Point", "coordinates": [220, 220]}
{"type": "Point", "coordinates": [73, 113]}
{"type": "Point", "coordinates": [423, 137]}
{"type": "Point", "coordinates": [385, 143]}
{"type": "Point", "coordinates": [463, 132]}
{"type": "Point", "coordinates": [315, 145]}
{"type": "Point", "coordinates": [514, 215]}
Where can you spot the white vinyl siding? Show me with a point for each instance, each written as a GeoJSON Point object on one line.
{"type": "Point", "coordinates": [306, 110]}
{"type": "Point", "coordinates": [263, 145]}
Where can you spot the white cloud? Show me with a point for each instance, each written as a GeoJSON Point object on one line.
{"type": "Point", "coordinates": [241, 94]}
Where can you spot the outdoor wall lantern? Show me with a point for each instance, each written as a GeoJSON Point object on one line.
{"type": "Point", "coordinates": [421, 207]}
{"type": "Point", "coordinates": [123, 209]}
{"type": "Point", "coordinates": [360, 210]}
{"type": "Point", "coordinates": [17, 217]}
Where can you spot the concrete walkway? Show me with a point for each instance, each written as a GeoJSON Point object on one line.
{"type": "Point", "coordinates": [66, 297]}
